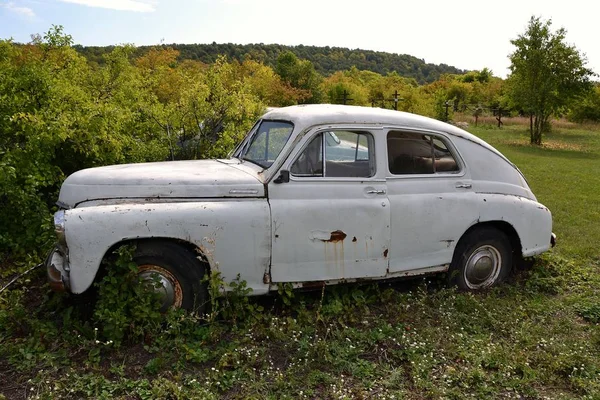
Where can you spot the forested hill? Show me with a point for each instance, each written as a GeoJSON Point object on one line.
{"type": "Point", "coordinates": [326, 60]}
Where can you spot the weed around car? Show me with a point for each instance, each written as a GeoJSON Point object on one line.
{"type": "Point", "coordinates": [534, 337]}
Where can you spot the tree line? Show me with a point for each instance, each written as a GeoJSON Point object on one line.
{"type": "Point", "coordinates": [326, 60]}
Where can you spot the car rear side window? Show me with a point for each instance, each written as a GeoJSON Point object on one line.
{"type": "Point", "coordinates": [418, 153]}
{"type": "Point", "coordinates": [347, 155]}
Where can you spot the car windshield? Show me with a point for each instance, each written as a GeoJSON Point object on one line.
{"type": "Point", "coordinates": [265, 143]}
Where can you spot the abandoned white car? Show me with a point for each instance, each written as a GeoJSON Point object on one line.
{"type": "Point", "coordinates": [314, 195]}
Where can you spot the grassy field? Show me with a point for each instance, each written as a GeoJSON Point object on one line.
{"type": "Point", "coordinates": [536, 337]}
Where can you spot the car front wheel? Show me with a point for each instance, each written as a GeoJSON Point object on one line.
{"type": "Point", "coordinates": [174, 273]}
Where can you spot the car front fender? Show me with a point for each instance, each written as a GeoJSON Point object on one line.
{"type": "Point", "coordinates": [233, 236]}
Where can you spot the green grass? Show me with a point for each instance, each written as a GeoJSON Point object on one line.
{"type": "Point", "coordinates": [536, 337]}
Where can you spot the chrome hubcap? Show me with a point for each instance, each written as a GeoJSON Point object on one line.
{"type": "Point", "coordinates": [163, 283]}
{"type": "Point", "coordinates": [483, 267]}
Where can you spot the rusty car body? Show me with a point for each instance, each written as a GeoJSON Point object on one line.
{"type": "Point", "coordinates": [402, 195]}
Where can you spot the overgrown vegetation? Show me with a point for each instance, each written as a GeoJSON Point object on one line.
{"type": "Point", "coordinates": [59, 114]}
{"type": "Point", "coordinates": [536, 337]}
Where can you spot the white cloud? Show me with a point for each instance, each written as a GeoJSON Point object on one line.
{"type": "Point", "coordinates": [24, 11]}
{"type": "Point", "coordinates": [121, 5]}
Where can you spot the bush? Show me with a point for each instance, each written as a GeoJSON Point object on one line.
{"type": "Point", "coordinates": [126, 309]}
{"type": "Point", "coordinates": [60, 114]}
{"type": "Point", "coordinates": [588, 109]}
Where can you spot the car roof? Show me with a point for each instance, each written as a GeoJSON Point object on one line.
{"type": "Point", "coordinates": [324, 114]}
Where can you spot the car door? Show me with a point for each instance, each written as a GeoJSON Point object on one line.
{"type": "Point", "coordinates": [431, 198]}
{"type": "Point", "coordinates": [331, 220]}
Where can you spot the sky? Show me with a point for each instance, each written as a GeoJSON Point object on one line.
{"type": "Point", "coordinates": [467, 34]}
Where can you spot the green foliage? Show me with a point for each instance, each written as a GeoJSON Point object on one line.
{"type": "Point", "coordinates": [547, 74]}
{"type": "Point", "coordinates": [464, 93]}
{"type": "Point", "coordinates": [286, 293]}
{"type": "Point", "coordinates": [326, 60]}
{"type": "Point", "coordinates": [590, 312]}
{"type": "Point", "coordinates": [535, 337]}
{"type": "Point", "coordinates": [413, 340]}
{"type": "Point", "coordinates": [211, 111]}
{"type": "Point", "coordinates": [56, 121]}
{"type": "Point", "coordinates": [483, 76]}
{"type": "Point", "coordinates": [126, 309]}
{"type": "Point", "coordinates": [443, 109]}
{"type": "Point", "coordinates": [267, 85]}
{"type": "Point", "coordinates": [588, 108]}
{"type": "Point", "coordinates": [230, 301]}
{"type": "Point", "coordinates": [60, 113]}
{"type": "Point", "coordinates": [300, 75]}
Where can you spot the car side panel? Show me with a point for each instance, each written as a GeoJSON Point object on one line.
{"type": "Point", "coordinates": [429, 216]}
{"type": "Point", "coordinates": [532, 221]}
{"type": "Point", "coordinates": [234, 236]}
{"type": "Point", "coordinates": [431, 213]}
{"type": "Point", "coordinates": [329, 228]}
{"type": "Point", "coordinates": [504, 195]}
{"type": "Point", "coordinates": [490, 172]}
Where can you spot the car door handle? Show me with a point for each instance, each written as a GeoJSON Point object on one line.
{"type": "Point", "coordinates": [463, 186]}
{"type": "Point", "coordinates": [375, 191]}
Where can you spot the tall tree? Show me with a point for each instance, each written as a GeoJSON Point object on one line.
{"type": "Point", "coordinates": [547, 74]}
{"type": "Point", "coordinates": [299, 74]}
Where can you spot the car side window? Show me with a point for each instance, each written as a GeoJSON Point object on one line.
{"type": "Point", "coordinates": [348, 154]}
{"type": "Point", "coordinates": [418, 153]}
{"type": "Point", "coordinates": [310, 161]}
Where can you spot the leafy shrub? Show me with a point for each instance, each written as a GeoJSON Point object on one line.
{"type": "Point", "coordinates": [286, 293]}
{"type": "Point", "coordinates": [126, 309]}
{"type": "Point", "coordinates": [60, 114]}
{"type": "Point", "coordinates": [230, 301]}
{"type": "Point", "coordinates": [590, 312]}
{"type": "Point", "coordinates": [57, 120]}
{"type": "Point", "coordinates": [588, 108]}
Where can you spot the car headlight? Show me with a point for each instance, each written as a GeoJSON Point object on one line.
{"type": "Point", "coordinates": [59, 227]}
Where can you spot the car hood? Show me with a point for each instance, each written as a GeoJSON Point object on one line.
{"type": "Point", "coordinates": [171, 179]}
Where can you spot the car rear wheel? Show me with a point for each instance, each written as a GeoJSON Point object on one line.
{"type": "Point", "coordinates": [482, 259]}
{"type": "Point", "coordinates": [175, 273]}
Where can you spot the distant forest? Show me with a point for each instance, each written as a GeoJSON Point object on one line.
{"type": "Point", "coordinates": [326, 60]}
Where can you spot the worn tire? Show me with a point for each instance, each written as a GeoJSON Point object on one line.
{"type": "Point", "coordinates": [483, 258]}
{"type": "Point", "coordinates": [177, 267]}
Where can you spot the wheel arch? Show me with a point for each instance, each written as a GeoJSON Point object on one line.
{"type": "Point", "coordinates": [504, 227]}
{"type": "Point", "coordinates": [495, 241]}
{"type": "Point", "coordinates": [191, 247]}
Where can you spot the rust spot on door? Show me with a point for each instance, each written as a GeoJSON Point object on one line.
{"type": "Point", "coordinates": [354, 239]}
{"type": "Point", "coordinates": [385, 253]}
{"type": "Point", "coordinates": [336, 236]}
